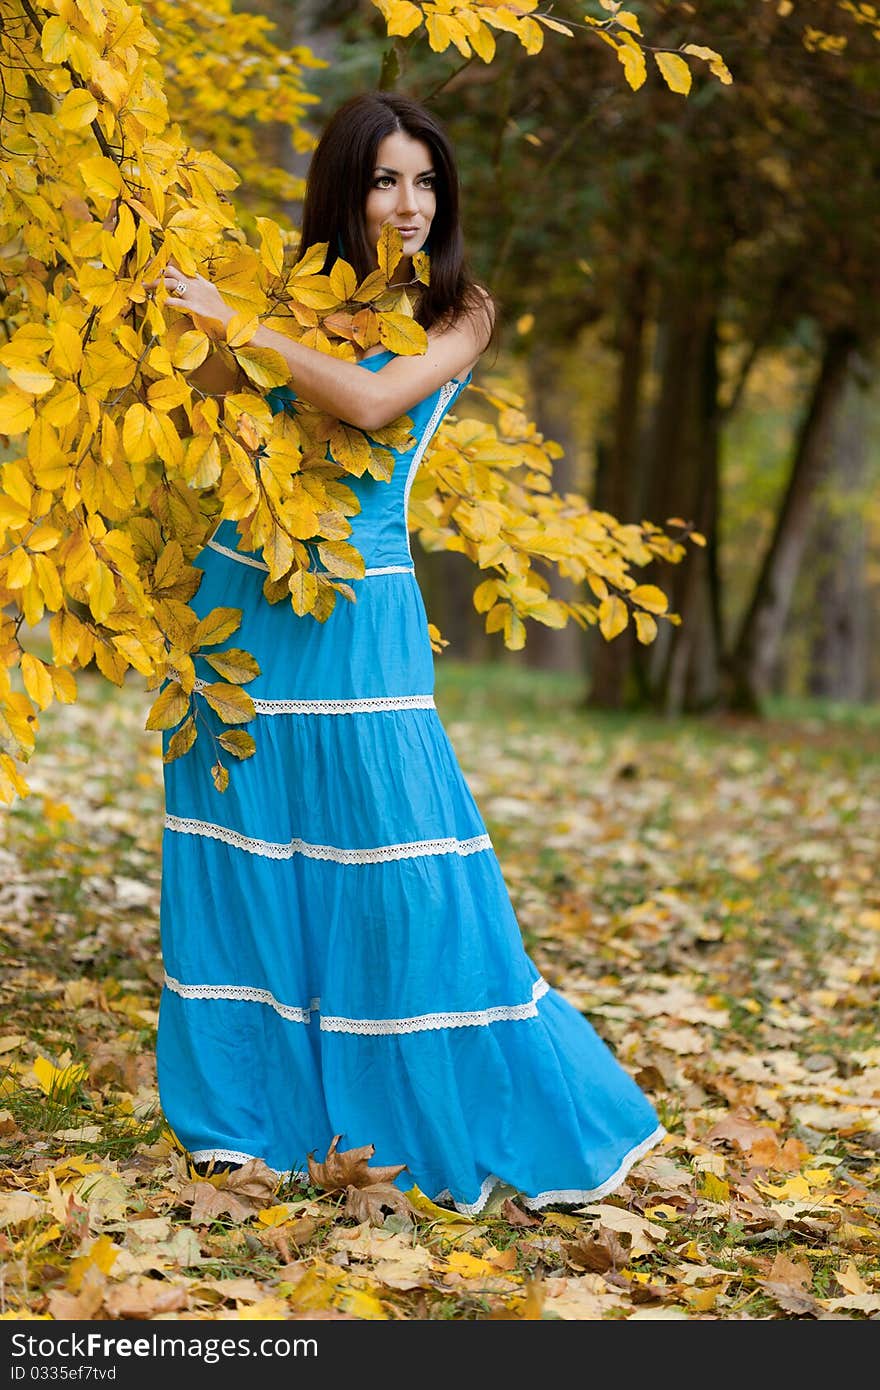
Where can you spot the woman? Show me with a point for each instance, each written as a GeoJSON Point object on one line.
{"type": "Point", "coordinates": [341, 953]}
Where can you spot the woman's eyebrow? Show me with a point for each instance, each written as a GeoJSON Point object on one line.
{"type": "Point", "coordinates": [386, 170]}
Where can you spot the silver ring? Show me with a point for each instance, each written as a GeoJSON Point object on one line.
{"type": "Point", "coordinates": [180, 288]}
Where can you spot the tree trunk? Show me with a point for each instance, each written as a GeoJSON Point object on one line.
{"type": "Point", "coordinates": [839, 652]}
{"type": "Point", "coordinates": [554, 649]}
{"type": "Point", "coordinates": [619, 489]}
{"type": "Point", "coordinates": [750, 671]}
{"type": "Point", "coordinates": [674, 472]}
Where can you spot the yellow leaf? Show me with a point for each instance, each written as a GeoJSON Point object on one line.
{"type": "Point", "coordinates": [646, 627]}
{"type": "Point", "coordinates": [278, 552]}
{"type": "Point", "coordinates": [265, 367]}
{"type": "Point", "coordinates": [64, 685]}
{"type": "Point", "coordinates": [423, 1203]}
{"type": "Point", "coordinates": [168, 708]}
{"type": "Point", "coordinates": [390, 249]}
{"type": "Point", "coordinates": [66, 354]}
{"type": "Point", "coordinates": [77, 110]}
{"type": "Point", "coordinates": [311, 262]}
{"type": "Point", "coordinates": [101, 589]}
{"type": "Point", "coordinates": [400, 333]}
{"type": "Point", "coordinates": [137, 440]}
{"type": "Point", "coordinates": [16, 412]}
{"type": "Point", "coordinates": [240, 329]}
{"type": "Point", "coordinates": [714, 1189]}
{"type": "Point", "coordinates": [635, 69]}
{"type": "Point", "coordinates": [402, 17]}
{"type": "Point", "coordinates": [676, 73]}
{"type": "Point", "coordinates": [233, 665]}
{"type": "Point", "coordinates": [342, 559]}
{"type": "Point", "coordinates": [613, 617]}
{"type": "Point", "coordinates": [483, 40]}
{"type": "Point", "coordinates": [439, 32]}
{"type": "Point", "coordinates": [190, 350]}
{"type": "Point", "coordinates": [220, 776]}
{"type": "Point", "coordinates": [303, 586]}
{"type": "Point", "coordinates": [37, 681]}
{"type": "Point", "coordinates": [100, 176]}
{"type": "Point", "coordinates": [650, 597]}
{"type": "Point", "coordinates": [717, 65]}
{"type": "Point", "coordinates": [51, 1079]}
{"type": "Point", "coordinates": [168, 394]}
{"type": "Point", "coordinates": [101, 1255]}
{"type": "Point", "coordinates": [343, 280]}
{"type": "Point", "coordinates": [271, 245]}
{"type": "Point", "coordinates": [216, 626]}
{"type": "Point", "coordinates": [233, 704]}
{"type": "Point", "coordinates": [628, 20]}
{"type": "Point", "coordinates": [238, 742]}
{"type": "Point", "coordinates": [56, 41]}
{"type": "Point", "coordinates": [180, 741]}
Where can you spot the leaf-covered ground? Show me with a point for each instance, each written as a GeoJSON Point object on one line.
{"type": "Point", "coordinates": [706, 892]}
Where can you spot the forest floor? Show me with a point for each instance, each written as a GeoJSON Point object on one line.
{"type": "Point", "coordinates": [704, 890]}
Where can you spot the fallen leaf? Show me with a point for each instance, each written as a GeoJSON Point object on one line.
{"type": "Point", "coordinates": [350, 1168]}
{"type": "Point", "coordinates": [370, 1203]}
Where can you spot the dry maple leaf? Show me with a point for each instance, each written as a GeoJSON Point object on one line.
{"type": "Point", "coordinates": [350, 1168]}
{"type": "Point", "coordinates": [209, 1202]}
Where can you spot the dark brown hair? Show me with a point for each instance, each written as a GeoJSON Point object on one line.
{"type": "Point", "coordinates": [340, 177]}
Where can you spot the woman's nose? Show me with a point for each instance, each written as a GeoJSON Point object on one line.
{"type": "Point", "coordinates": [406, 198]}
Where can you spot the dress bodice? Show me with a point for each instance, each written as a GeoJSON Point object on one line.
{"type": "Point", "coordinates": [379, 529]}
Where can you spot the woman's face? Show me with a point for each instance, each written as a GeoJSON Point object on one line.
{"type": "Point", "coordinates": [402, 191]}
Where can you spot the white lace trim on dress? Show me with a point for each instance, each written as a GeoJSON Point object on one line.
{"type": "Point", "coordinates": [420, 1023]}
{"type": "Point", "coordinates": [261, 564]}
{"type": "Point", "coordinates": [560, 1196]}
{"type": "Point", "coordinates": [245, 992]}
{"type": "Point", "coordinates": [411, 849]}
{"type": "Point", "coordinates": [331, 1023]}
{"type": "Point", "coordinates": [447, 391]}
{"type": "Point", "coordinates": [367, 705]}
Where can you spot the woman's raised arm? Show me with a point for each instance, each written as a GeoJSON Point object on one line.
{"type": "Point", "coordinates": [366, 399]}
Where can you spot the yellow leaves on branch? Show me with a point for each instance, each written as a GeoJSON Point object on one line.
{"type": "Point", "coordinates": [484, 490]}
{"type": "Point", "coordinates": [467, 25]}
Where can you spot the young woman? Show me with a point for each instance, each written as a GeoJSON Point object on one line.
{"type": "Point", "coordinates": [341, 953]}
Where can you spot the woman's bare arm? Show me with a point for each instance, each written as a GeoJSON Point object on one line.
{"type": "Point", "coordinates": [369, 400]}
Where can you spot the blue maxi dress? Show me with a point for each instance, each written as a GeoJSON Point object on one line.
{"type": "Point", "coordinates": [341, 953]}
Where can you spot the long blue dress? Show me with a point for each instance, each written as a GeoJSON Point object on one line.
{"type": "Point", "coordinates": [341, 952]}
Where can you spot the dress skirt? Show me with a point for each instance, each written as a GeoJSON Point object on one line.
{"type": "Point", "coordinates": [341, 952]}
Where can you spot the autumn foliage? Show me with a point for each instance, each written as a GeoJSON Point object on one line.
{"type": "Point", "coordinates": [119, 466]}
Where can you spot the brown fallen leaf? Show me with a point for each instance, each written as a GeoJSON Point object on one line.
{"type": "Point", "coordinates": [372, 1202]}
{"type": "Point", "coordinates": [83, 1305]}
{"type": "Point", "coordinates": [238, 1194]}
{"type": "Point", "coordinates": [740, 1130]}
{"type": "Point", "coordinates": [597, 1252]}
{"type": "Point", "coordinates": [516, 1216]}
{"type": "Point", "coordinates": [788, 1283]}
{"type": "Point", "coordinates": [350, 1168]}
{"type": "Point", "coordinates": [144, 1298]}
{"type": "Point", "coordinates": [209, 1202]}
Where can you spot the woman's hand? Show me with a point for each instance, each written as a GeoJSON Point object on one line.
{"type": "Point", "coordinates": [194, 295]}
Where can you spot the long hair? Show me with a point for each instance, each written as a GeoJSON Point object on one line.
{"type": "Point", "coordinates": [340, 177]}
